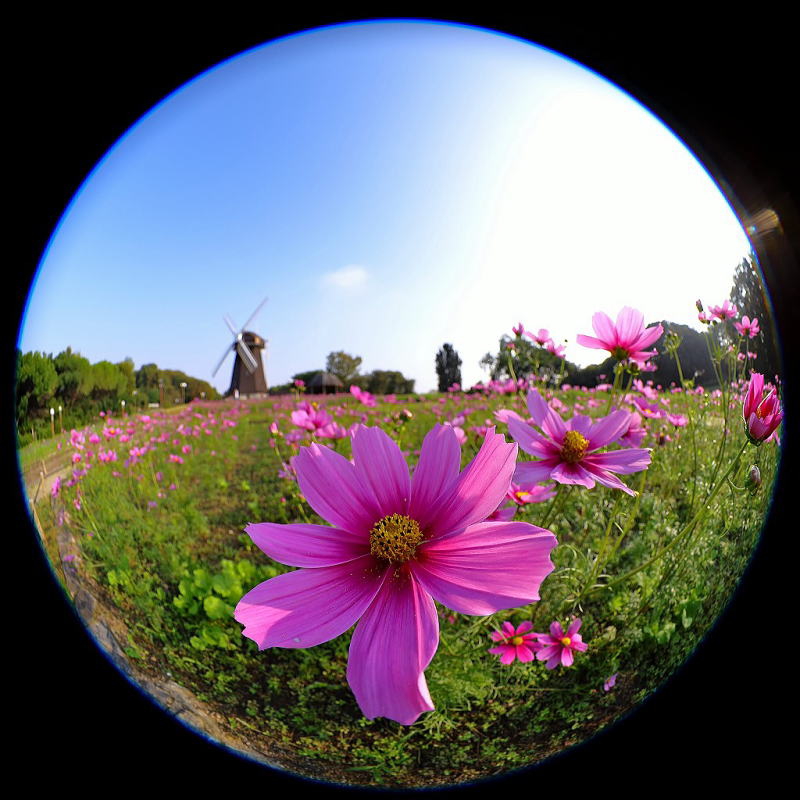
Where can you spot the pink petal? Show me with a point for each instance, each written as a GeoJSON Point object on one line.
{"type": "Point", "coordinates": [530, 440]}
{"type": "Point", "coordinates": [480, 488]}
{"type": "Point", "coordinates": [606, 430]}
{"type": "Point", "coordinates": [567, 657]}
{"type": "Point", "coordinates": [622, 461]}
{"type": "Point", "coordinates": [605, 330]}
{"type": "Point", "coordinates": [508, 629]}
{"type": "Point", "coordinates": [524, 653]}
{"type": "Point", "coordinates": [647, 337]}
{"type": "Point", "coordinates": [436, 471]}
{"type": "Point", "coordinates": [607, 479]}
{"type": "Point", "coordinates": [303, 545]}
{"type": "Point", "coordinates": [573, 474]}
{"type": "Point", "coordinates": [630, 323]}
{"type": "Point", "coordinates": [381, 468]}
{"type": "Point", "coordinates": [549, 652]}
{"type": "Point", "coordinates": [556, 631]}
{"type": "Point", "coordinates": [544, 416]}
{"type": "Point", "coordinates": [535, 471]}
{"type": "Point", "coordinates": [574, 627]}
{"type": "Point", "coordinates": [487, 567]}
{"type": "Point", "coordinates": [391, 647]}
{"type": "Point", "coordinates": [590, 341]}
{"type": "Point", "coordinates": [524, 626]}
{"type": "Point", "coordinates": [309, 606]}
{"type": "Point", "coordinates": [329, 483]}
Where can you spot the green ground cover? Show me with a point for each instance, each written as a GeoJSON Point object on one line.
{"type": "Point", "coordinates": [162, 537]}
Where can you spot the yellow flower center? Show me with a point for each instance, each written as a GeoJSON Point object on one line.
{"type": "Point", "coordinates": [395, 538]}
{"type": "Point", "coordinates": [574, 447]}
{"type": "Point", "coordinates": [517, 640]}
{"type": "Point", "coordinates": [566, 641]}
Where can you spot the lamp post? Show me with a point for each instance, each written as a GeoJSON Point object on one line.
{"type": "Point", "coordinates": [160, 392]}
{"type": "Point", "coordinates": [122, 403]}
{"type": "Point", "coordinates": [60, 421]}
{"type": "Point", "coordinates": [52, 422]}
{"type": "Point", "coordinates": [183, 391]}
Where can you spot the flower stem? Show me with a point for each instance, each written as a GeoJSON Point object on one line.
{"type": "Point", "coordinates": [687, 529]}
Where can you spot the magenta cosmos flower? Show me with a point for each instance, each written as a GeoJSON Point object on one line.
{"type": "Point", "coordinates": [761, 414]}
{"type": "Point", "coordinates": [515, 643]}
{"type": "Point", "coordinates": [627, 339]}
{"type": "Point", "coordinates": [567, 451]}
{"type": "Point", "coordinates": [557, 647]}
{"type": "Point", "coordinates": [396, 544]}
{"type": "Point", "coordinates": [748, 327]}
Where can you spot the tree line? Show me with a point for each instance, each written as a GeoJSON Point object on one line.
{"type": "Point", "coordinates": [78, 390]}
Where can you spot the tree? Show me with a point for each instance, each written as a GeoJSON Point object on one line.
{"type": "Point", "coordinates": [383, 381]}
{"type": "Point", "coordinates": [37, 381]}
{"type": "Point", "coordinates": [75, 380]}
{"type": "Point", "coordinates": [147, 377]}
{"type": "Point", "coordinates": [343, 366]}
{"type": "Point", "coordinates": [448, 367]}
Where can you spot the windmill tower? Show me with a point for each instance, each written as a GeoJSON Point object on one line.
{"type": "Point", "coordinates": [248, 378]}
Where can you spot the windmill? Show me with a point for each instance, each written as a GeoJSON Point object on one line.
{"type": "Point", "coordinates": [248, 377]}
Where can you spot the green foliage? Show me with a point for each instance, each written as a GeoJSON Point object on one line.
{"type": "Point", "coordinates": [448, 367]}
{"type": "Point", "coordinates": [343, 366]}
{"type": "Point", "coordinates": [37, 382]}
{"type": "Point", "coordinates": [176, 571]}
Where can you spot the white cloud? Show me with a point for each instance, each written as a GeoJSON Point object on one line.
{"type": "Point", "coordinates": [349, 277]}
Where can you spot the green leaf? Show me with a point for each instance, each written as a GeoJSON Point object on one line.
{"type": "Point", "coordinates": [216, 608]}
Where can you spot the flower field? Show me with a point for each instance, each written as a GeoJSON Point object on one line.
{"type": "Point", "coordinates": [516, 565]}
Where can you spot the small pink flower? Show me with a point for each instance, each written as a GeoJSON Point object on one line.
{"type": "Point", "coordinates": [175, 458]}
{"type": "Point", "coordinates": [363, 397]}
{"type": "Point", "coordinates": [726, 311]}
{"type": "Point", "coordinates": [518, 330]}
{"type": "Point", "coordinates": [610, 682]}
{"type": "Point", "coordinates": [567, 452]}
{"type": "Point", "coordinates": [515, 644]}
{"type": "Point", "coordinates": [748, 327]}
{"type": "Point", "coordinates": [557, 647]}
{"type": "Point", "coordinates": [627, 339]}
{"type": "Point", "coordinates": [541, 338]}
{"type": "Point", "coordinates": [761, 414]}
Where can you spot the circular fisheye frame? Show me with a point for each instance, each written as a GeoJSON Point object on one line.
{"type": "Point", "coordinates": [399, 405]}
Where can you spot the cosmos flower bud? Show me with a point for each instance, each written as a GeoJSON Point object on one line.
{"type": "Point", "coordinates": [699, 306]}
{"type": "Point", "coordinates": [754, 478]}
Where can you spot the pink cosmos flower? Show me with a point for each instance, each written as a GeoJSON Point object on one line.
{"type": "Point", "coordinates": [748, 327]}
{"type": "Point", "coordinates": [518, 330]}
{"type": "Point", "coordinates": [541, 338]}
{"type": "Point", "coordinates": [627, 339]}
{"type": "Point", "coordinates": [557, 647]}
{"type": "Point", "coordinates": [524, 494]}
{"type": "Point", "coordinates": [761, 414]}
{"type": "Point", "coordinates": [610, 682]}
{"type": "Point", "coordinates": [556, 349]}
{"type": "Point", "coordinates": [567, 452]}
{"type": "Point", "coordinates": [396, 545]}
{"type": "Point", "coordinates": [515, 644]}
{"type": "Point", "coordinates": [363, 397]}
{"type": "Point", "coordinates": [727, 310]}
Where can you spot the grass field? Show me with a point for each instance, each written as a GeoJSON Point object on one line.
{"type": "Point", "coordinates": [158, 504]}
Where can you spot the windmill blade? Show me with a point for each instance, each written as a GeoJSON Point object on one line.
{"type": "Point", "coordinates": [221, 361]}
{"type": "Point", "coordinates": [246, 356]}
{"type": "Point", "coordinates": [230, 324]}
{"type": "Point", "coordinates": [253, 315]}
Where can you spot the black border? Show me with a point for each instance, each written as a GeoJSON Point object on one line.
{"type": "Point", "coordinates": [83, 80]}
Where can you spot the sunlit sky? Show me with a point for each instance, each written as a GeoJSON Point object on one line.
{"type": "Point", "coordinates": [390, 186]}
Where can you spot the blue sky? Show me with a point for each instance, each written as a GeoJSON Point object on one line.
{"type": "Point", "coordinates": [390, 187]}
